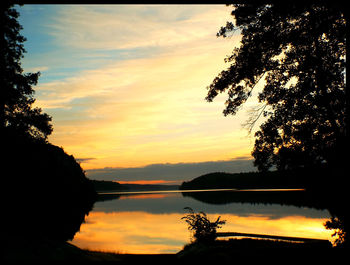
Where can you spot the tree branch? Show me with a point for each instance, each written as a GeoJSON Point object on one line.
{"type": "Point", "coordinates": [255, 114]}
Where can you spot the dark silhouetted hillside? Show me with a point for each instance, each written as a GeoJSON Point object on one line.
{"type": "Point", "coordinates": [45, 191]}
{"type": "Point", "coordinates": [105, 185]}
{"type": "Point", "coordinates": [221, 180]}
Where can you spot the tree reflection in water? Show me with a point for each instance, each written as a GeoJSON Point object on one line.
{"type": "Point", "coordinates": [311, 199]}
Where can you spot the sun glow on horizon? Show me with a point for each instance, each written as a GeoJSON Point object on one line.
{"type": "Point", "coordinates": [150, 182]}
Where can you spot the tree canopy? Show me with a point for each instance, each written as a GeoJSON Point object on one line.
{"type": "Point", "coordinates": [299, 51]}
{"type": "Point", "coordinates": [17, 114]}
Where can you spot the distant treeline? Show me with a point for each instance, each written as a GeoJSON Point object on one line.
{"type": "Point", "coordinates": [249, 180]}
{"type": "Point", "coordinates": [103, 185]}
{"type": "Point", "coordinates": [107, 185]}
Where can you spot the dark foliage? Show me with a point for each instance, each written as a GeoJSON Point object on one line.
{"type": "Point", "coordinates": [203, 229]}
{"type": "Point", "coordinates": [103, 185]}
{"type": "Point", "coordinates": [299, 50]}
{"type": "Point", "coordinates": [17, 95]}
{"type": "Point", "coordinates": [44, 190]}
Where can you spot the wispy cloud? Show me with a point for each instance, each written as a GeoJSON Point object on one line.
{"type": "Point", "coordinates": [80, 160]}
{"type": "Point", "coordinates": [154, 104]}
{"type": "Point", "coordinates": [127, 84]}
{"type": "Point", "coordinates": [134, 26]}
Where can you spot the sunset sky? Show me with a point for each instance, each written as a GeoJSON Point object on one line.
{"type": "Point", "coordinates": [126, 84]}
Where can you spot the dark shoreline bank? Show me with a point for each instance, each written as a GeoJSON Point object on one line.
{"type": "Point", "coordinates": [25, 251]}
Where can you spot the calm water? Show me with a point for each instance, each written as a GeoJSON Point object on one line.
{"type": "Point", "coordinates": [151, 222]}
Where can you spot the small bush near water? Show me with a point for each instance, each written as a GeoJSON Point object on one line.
{"type": "Point", "coordinates": [203, 229]}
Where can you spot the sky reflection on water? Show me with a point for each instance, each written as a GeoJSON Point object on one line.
{"type": "Point", "coordinates": [151, 223]}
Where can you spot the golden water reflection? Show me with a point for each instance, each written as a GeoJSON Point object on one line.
{"type": "Point", "coordinates": [144, 232]}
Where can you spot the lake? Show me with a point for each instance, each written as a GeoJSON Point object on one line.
{"type": "Point", "coordinates": [150, 222]}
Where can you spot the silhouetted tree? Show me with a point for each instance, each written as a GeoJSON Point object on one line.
{"type": "Point", "coordinates": [44, 191]}
{"type": "Point", "coordinates": [16, 112]}
{"type": "Point", "coordinates": [203, 229]}
{"type": "Point", "coordinates": [299, 50]}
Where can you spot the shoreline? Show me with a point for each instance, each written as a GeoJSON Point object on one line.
{"type": "Point", "coordinates": [194, 190]}
{"type": "Point", "coordinates": [24, 250]}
